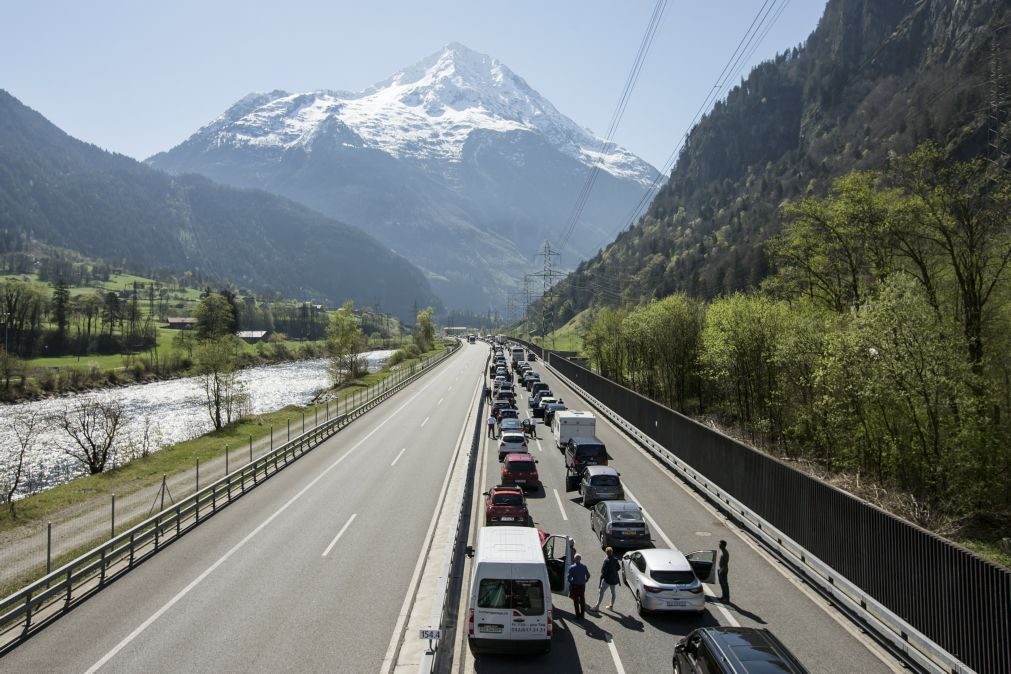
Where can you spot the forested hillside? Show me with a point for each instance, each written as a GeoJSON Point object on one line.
{"type": "Point", "coordinates": [67, 193]}
{"type": "Point", "coordinates": [875, 78]}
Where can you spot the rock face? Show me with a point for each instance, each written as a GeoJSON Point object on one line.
{"type": "Point", "coordinates": [61, 191]}
{"type": "Point", "coordinates": [455, 163]}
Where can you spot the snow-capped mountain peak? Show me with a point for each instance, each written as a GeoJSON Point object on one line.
{"type": "Point", "coordinates": [425, 112]}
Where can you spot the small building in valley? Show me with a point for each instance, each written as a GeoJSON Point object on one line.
{"type": "Point", "coordinates": [252, 336]}
{"type": "Point", "coordinates": [181, 323]}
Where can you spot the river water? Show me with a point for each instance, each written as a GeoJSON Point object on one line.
{"type": "Point", "coordinates": [173, 410]}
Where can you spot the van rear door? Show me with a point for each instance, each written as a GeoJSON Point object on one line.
{"type": "Point", "coordinates": [558, 551]}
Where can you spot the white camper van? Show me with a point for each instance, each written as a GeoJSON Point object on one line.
{"type": "Point", "coordinates": [568, 424]}
{"type": "Point", "coordinates": [514, 574]}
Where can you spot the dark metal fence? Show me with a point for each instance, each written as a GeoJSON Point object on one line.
{"type": "Point", "coordinates": [958, 600]}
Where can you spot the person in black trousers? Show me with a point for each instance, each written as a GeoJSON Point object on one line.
{"type": "Point", "coordinates": [724, 569]}
{"type": "Point", "coordinates": [579, 576]}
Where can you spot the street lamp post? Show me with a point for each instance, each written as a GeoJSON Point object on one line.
{"type": "Point", "coordinates": [7, 319]}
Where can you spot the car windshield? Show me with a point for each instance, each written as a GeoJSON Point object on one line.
{"type": "Point", "coordinates": [604, 480]}
{"type": "Point", "coordinates": [507, 499]}
{"type": "Point", "coordinates": [626, 516]}
{"type": "Point", "coordinates": [673, 577]}
{"type": "Point", "coordinates": [520, 466]}
{"type": "Point", "coordinates": [525, 596]}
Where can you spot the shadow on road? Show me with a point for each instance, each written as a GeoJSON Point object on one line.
{"type": "Point", "coordinates": [747, 614]}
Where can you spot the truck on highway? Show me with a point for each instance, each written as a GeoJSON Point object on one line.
{"type": "Point", "coordinates": [568, 424]}
{"type": "Point", "coordinates": [518, 355]}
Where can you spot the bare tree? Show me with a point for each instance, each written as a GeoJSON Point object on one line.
{"type": "Point", "coordinates": [92, 425]}
{"type": "Point", "coordinates": [25, 425]}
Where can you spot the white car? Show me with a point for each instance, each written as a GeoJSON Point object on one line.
{"type": "Point", "coordinates": [665, 579]}
{"type": "Point", "coordinates": [511, 443]}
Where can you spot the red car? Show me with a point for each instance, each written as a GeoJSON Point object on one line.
{"type": "Point", "coordinates": [520, 470]}
{"type": "Point", "coordinates": [506, 505]}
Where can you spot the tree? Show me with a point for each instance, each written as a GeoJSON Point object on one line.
{"type": "Point", "coordinates": [92, 426]}
{"type": "Point", "coordinates": [214, 316]}
{"type": "Point", "coordinates": [9, 364]}
{"type": "Point", "coordinates": [217, 365]}
{"type": "Point", "coordinates": [61, 303]}
{"type": "Point", "coordinates": [25, 425]}
{"type": "Point", "coordinates": [424, 335]}
{"type": "Point", "coordinates": [345, 344]}
{"type": "Point", "coordinates": [960, 211]}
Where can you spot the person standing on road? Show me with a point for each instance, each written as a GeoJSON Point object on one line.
{"type": "Point", "coordinates": [491, 426]}
{"type": "Point", "coordinates": [487, 392]}
{"type": "Point", "coordinates": [722, 572]}
{"type": "Point", "coordinates": [608, 578]}
{"type": "Point", "coordinates": [579, 576]}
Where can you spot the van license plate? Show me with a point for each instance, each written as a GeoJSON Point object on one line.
{"type": "Point", "coordinates": [507, 519]}
{"type": "Point", "coordinates": [675, 604]}
{"type": "Point", "coordinates": [490, 629]}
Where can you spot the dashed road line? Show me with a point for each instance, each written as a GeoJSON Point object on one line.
{"type": "Point", "coordinates": [425, 421]}
{"type": "Point", "coordinates": [399, 454]}
{"type": "Point", "coordinates": [558, 499]}
{"type": "Point", "coordinates": [614, 653]}
{"type": "Point", "coordinates": [339, 534]}
{"type": "Point", "coordinates": [439, 403]}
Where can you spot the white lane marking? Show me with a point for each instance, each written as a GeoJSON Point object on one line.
{"type": "Point", "coordinates": [439, 403]}
{"type": "Point", "coordinates": [339, 534]}
{"type": "Point", "coordinates": [238, 546]}
{"type": "Point", "coordinates": [614, 653]}
{"type": "Point", "coordinates": [670, 544]}
{"type": "Point", "coordinates": [539, 448]}
{"type": "Point", "coordinates": [425, 421]}
{"type": "Point", "coordinates": [450, 387]}
{"type": "Point", "coordinates": [399, 454]}
{"type": "Point", "coordinates": [412, 586]}
{"type": "Point", "coordinates": [558, 499]}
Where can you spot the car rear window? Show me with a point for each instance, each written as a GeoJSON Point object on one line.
{"type": "Point", "coordinates": [604, 480]}
{"type": "Point", "coordinates": [512, 439]}
{"type": "Point", "coordinates": [590, 450]}
{"type": "Point", "coordinates": [673, 577]}
{"type": "Point", "coordinates": [525, 596]}
{"type": "Point", "coordinates": [626, 516]}
{"type": "Point", "coordinates": [520, 466]}
{"type": "Point", "coordinates": [507, 499]}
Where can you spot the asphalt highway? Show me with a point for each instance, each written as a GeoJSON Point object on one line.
{"type": "Point", "coordinates": [306, 573]}
{"type": "Point", "coordinates": [763, 592]}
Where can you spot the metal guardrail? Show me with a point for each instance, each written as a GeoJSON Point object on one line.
{"type": "Point", "coordinates": [44, 600]}
{"type": "Point", "coordinates": [900, 634]}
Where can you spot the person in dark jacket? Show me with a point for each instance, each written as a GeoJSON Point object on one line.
{"type": "Point", "coordinates": [579, 576]}
{"type": "Point", "coordinates": [608, 578]}
{"type": "Point", "coordinates": [723, 571]}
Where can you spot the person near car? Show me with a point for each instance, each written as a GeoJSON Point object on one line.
{"type": "Point", "coordinates": [722, 572]}
{"type": "Point", "coordinates": [579, 576]}
{"type": "Point", "coordinates": [487, 393]}
{"type": "Point", "coordinates": [491, 426]}
{"type": "Point", "coordinates": [608, 578]}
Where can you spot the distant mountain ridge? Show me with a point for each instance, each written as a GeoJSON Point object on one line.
{"type": "Point", "coordinates": [65, 192]}
{"type": "Point", "coordinates": [456, 163]}
{"type": "Point", "coordinates": [875, 78]}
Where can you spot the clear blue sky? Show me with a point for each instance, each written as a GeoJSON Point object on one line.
{"type": "Point", "coordinates": [139, 77]}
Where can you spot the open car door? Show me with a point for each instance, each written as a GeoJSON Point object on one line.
{"type": "Point", "coordinates": [558, 550]}
{"type": "Point", "coordinates": [572, 480]}
{"type": "Point", "coordinates": [703, 563]}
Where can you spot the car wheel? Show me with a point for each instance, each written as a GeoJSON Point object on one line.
{"type": "Point", "coordinates": [638, 605]}
{"type": "Point", "coordinates": [603, 540]}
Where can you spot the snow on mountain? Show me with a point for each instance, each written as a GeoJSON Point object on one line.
{"type": "Point", "coordinates": [425, 112]}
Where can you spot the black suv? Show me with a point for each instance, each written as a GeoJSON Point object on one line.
{"type": "Point", "coordinates": [733, 650]}
{"type": "Point", "coordinates": [583, 452]}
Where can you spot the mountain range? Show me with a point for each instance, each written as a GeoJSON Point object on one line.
{"type": "Point", "coordinates": [874, 79]}
{"type": "Point", "coordinates": [456, 163]}
{"type": "Point", "coordinates": [62, 191]}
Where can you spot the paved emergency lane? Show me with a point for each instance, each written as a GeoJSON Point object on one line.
{"type": "Point", "coordinates": [305, 573]}
{"type": "Point", "coordinates": [763, 593]}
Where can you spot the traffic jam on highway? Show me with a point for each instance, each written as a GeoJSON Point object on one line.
{"type": "Point", "coordinates": [522, 577]}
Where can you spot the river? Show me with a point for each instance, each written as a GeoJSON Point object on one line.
{"type": "Point", "coordinates": [174, 409]}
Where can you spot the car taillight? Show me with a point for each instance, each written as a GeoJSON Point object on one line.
{"type": "Point", "coordinates": [695, 590]}
{"type": "Point", "coordinates": [470, 624]}
{"type": "Point", "coordinates": [652, 589]}
{"type": "Point", "coordinates": [551, 623]}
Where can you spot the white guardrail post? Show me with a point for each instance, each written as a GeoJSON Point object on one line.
{"type": "Point", "coordinates": [900, 634]}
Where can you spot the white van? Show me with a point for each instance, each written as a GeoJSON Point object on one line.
{"type": "Point", "coordinates": [568, 424]}
{"type": "Point", "coordinates": [510, 589]}
{"type": "Point", "coordinates": [518, 354]}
